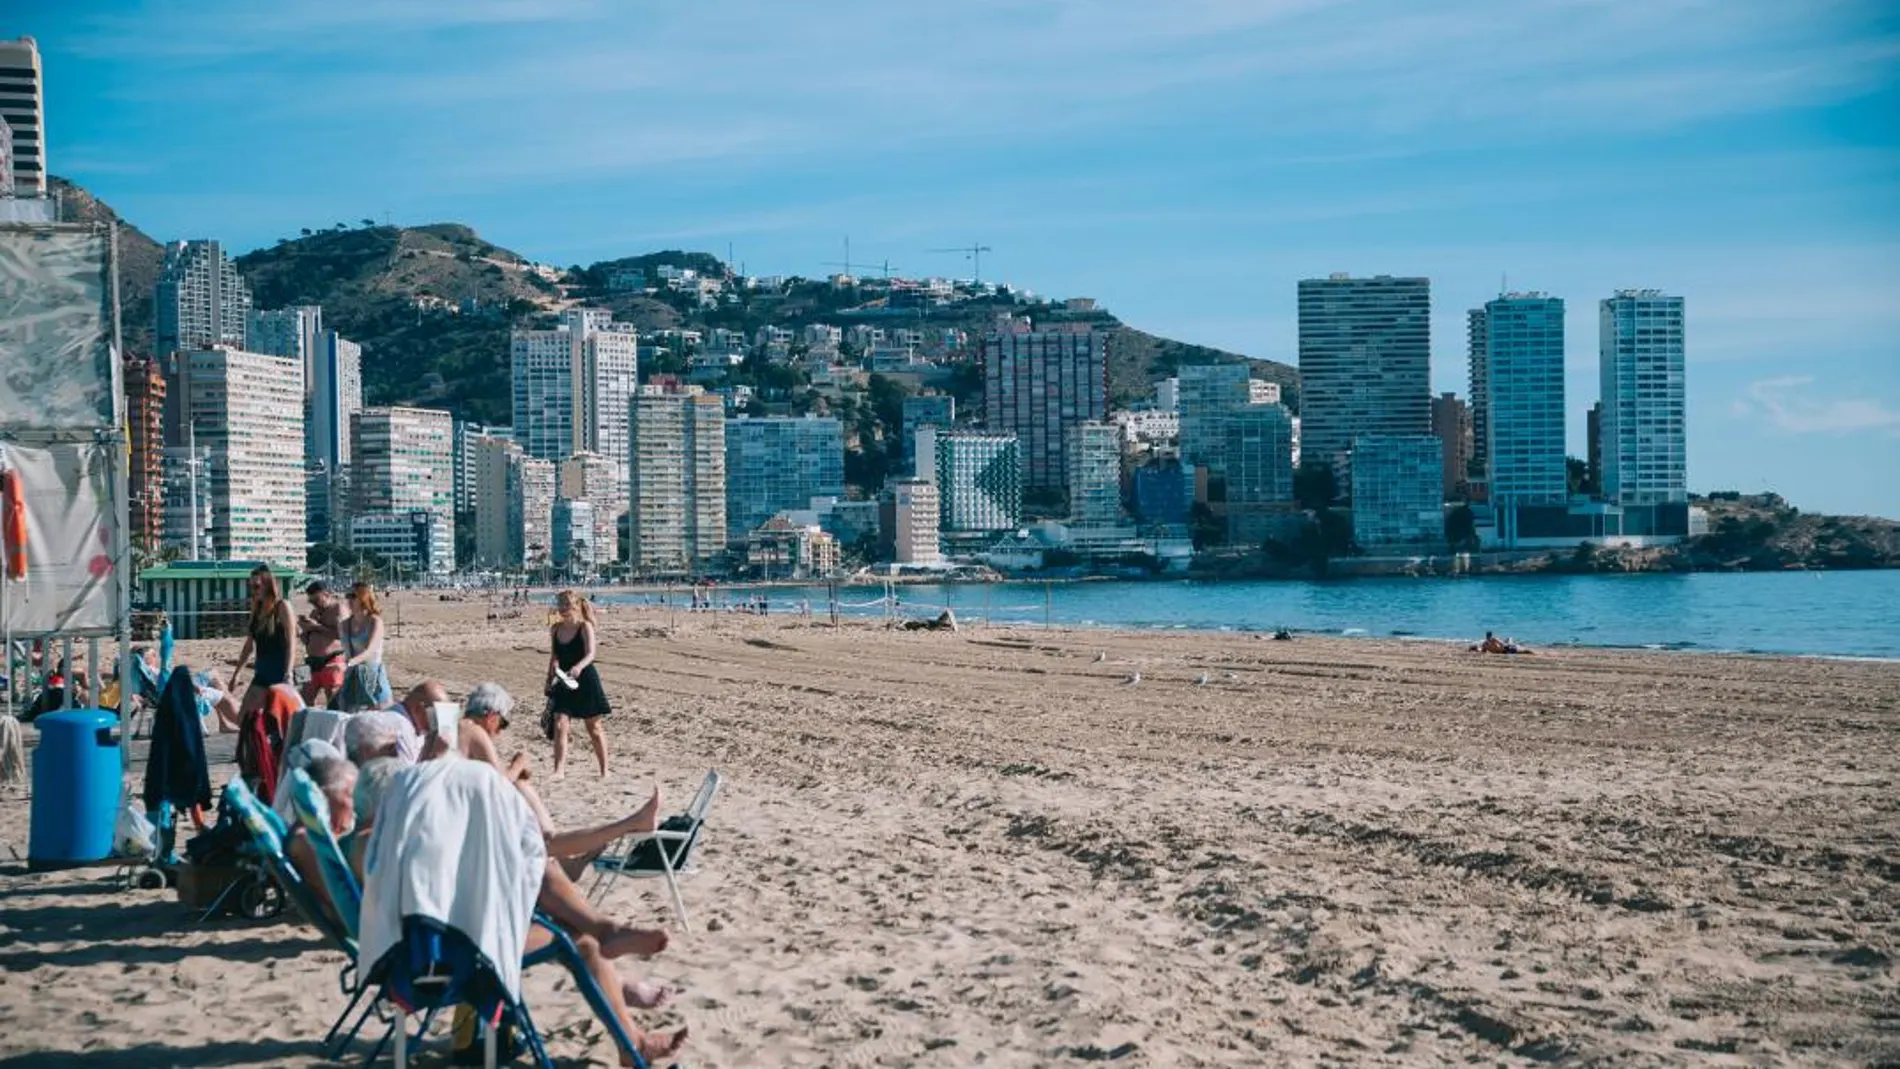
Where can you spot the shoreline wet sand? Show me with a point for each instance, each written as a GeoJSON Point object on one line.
{"type": "Point", "coordinates": [991, 848]}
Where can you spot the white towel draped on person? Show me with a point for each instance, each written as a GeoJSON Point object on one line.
{"type": "Point", "coordinates": [454, 843]}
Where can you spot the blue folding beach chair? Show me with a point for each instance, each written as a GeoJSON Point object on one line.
{"type": "Point", "coordinates": [268, 834]}
{"type": "Point", "coordinates": [312, 811]}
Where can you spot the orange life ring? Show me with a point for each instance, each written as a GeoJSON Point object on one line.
{"type": "Point", "coordinates": [13, 504]}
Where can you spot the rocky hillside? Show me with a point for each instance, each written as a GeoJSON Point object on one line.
{"type": "Point", "coordinates": [1761, 532]}
{"type": "Point", "coordinates": [431, 306]}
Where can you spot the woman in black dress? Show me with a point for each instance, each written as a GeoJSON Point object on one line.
{"type": "Point", "coordinates": [573, 686]}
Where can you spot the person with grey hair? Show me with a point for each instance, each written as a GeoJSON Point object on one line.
{"type": "Point", "coordinates": [484, 717]}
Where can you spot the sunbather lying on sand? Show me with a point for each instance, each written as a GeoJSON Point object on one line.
{"type": "Point", "coordinates": [597, 939]}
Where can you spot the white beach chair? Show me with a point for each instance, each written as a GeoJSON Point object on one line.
{"type": "Point", "coordinates": [666, 853]}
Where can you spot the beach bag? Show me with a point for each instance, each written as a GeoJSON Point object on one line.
{"type": "Point", "coordinates": [646, 856]}
{"type": "Point", "coordinates": [548, 716]}
{"type": "Point", "coordinates": [134, 836]}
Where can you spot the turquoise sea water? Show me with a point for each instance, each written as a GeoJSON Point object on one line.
{"type": "Point", "coordinates": [1851, 614]}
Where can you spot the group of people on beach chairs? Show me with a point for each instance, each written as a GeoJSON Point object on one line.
{"type": "Point", "coordinates": [385, 766]}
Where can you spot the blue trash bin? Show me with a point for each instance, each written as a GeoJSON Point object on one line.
{"type": "Point", "coordinates": [76, 779]}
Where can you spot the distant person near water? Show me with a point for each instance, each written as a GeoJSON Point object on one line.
{"type": "Point", "coordinates": [1493, 644]}
{"type": "Point", "coordinates": [268, 635]}
{"type": "Point", "coordinates": [573, 684]}
{"type": "Point", "coordinates": [365, 680]}
{"type": "Point", "coordinates": [322, 643]}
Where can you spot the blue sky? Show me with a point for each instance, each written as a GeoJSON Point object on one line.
{"type": "Point", "coordinates": [1185, 163]}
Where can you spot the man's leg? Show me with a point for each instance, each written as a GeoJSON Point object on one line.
{"type": "Point", "coordinates": [610, 984]}
{"type": "Point", "coordinates": [587, 843]}
{"type": "Point", "coordinates": [563, 902]}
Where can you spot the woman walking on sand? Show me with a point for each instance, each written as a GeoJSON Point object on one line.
{"type": "Point", "coordinates": [269, 635]}
{"type": "Point", "coordinates": [573, 686]}
{"type": "Point", "coordinates": [365, 680]}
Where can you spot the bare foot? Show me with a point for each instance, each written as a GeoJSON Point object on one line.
{"type": "Point", "coordinates": [656, 1045]}
{"type": "Point", "coordinates": [645, 818]}
{"type": "Point", "coordinates": [645, 996]}
{"type": "Point", "coordinates": [559, 773]}
{"type": "Point", "coordinates": [640, 942]}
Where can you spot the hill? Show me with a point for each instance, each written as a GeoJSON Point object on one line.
{"type": "Point", "coordinates": [433, 305]}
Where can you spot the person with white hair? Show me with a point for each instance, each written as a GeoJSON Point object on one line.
{"type": "Point", "coordinates": [484, 717]}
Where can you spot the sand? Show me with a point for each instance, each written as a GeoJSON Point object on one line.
{"type": "Point", "coordinates": [986, 848]}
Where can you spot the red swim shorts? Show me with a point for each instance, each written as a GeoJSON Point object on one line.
{"type": "Point", "coordinates": [326, 674]}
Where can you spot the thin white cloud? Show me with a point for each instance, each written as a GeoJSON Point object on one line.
{"type": "Point", "coordinates": [1786, 404]}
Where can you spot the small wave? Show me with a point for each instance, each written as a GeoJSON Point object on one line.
{"type": "Point", "coordinates": [1355, 631]}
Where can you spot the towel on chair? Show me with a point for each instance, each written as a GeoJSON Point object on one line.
{"type": "Point", "coordinates": [454, 843]}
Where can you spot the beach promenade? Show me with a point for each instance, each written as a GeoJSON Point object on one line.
{"type": "Point", "coordinates": [989, 848]}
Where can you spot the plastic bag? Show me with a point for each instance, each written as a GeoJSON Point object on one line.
{"type": "Point", "coordinates": [135, 835]}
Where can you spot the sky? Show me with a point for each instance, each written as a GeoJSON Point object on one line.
{"type": "Point", "coordinates": [1184, 163]}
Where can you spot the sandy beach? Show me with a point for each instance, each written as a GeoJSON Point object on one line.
{"type": "Point", "coordinates": [989, 848]}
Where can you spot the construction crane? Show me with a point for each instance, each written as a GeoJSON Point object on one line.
{"type": "Point", "coordinates": [974, 253]}
{"type": "Point", "coordinates": [850, 268]}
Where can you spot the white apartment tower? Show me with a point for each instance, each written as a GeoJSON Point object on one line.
{"type": "Point", "coordinates": [1524, 402]}
{"type": "Point", "coordinates": [601, 483]}
{"type": "Point", "coordinates": [403, 463]}
{"type": "Point", "coordinates": [247, 412]}
{"type": "Point", "coordinates": [1365, 360]}
{"type": "Point", "coordinates": [23, 112]}
{"type": "Point", "coordinates": [573, 385]}
{"type": "Point", "coordinates": [676, 481]}
{"type": "Point", "coordinates": [201, 303]}
{"type": "Point", "coordinates": [1644, 427]}
{"type": "Point", "coordinates": [1094, 452]}
{"type": "Point", "coordinates": [910, 511]}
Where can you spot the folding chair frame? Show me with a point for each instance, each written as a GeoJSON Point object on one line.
{"type": "Point", "coordinates": [609, 865]}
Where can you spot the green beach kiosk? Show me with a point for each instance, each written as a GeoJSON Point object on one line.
{"type": "Point", "coordinates": [206, 598]}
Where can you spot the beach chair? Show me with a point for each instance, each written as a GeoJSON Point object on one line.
{"type": "Point", "coordinates": [435, 967]}
{"type": "Point", "coordinates": [666, 853]}
{"type": "Point", "coordinates": [312, 811]}
{"type": "Point", "coordinates": [268, 834]}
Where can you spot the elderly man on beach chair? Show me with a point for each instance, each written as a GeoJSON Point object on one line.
{"type": "Point", "coordinates": [485, 716]}
{"type": "Point", "coordinates": [347, 792]}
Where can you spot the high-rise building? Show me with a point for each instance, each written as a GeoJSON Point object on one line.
{"type": "Point", "coordinates": [1365, 361]}
{"type": "Point", "coordinates": [574, 534]}
{"type": "Point", "coordinates": [909, 515]}
{"type": "Point", "coordinates": [23, 112]}
{"type": "Point", "coordinates": [979, 481]}
{"type": "Point", "coordinates": [292, 332]}
{"type": "Point", "coordinates": [1204, 395]}
{"type": "Point", "coordinates": [144, 415]}
{"type": "Point", "coordinates": [404, 462]}
{"type": "Point", "coordinates": [1524, 406]}
{"type": "Point", "coordinates": [1038, 384]}
{"type": "Point", "coordinates": [201, 303]}
{"type": "Point", "coordinates": [1593, 445]}
{"type": "Point", "coordinates": [247, 412]}
{"type": "Point", "coordinates": [336, 395]}
{"type": "Point", "coordinates": [1163, 492]}
{"type": "Point", "coordinates": [1451, 424]}
{"type": "Point", "coordinates": [1644, 422]}
{"type": "Point", "coordinates": [467, 434]}
{"type": "Point", "coordinates": [573, 385]}
{"type": "Point", "coordinates": [601, 483]}
{"type": "Point", "coordinates": [531, 495]}
{"type": "Point", "coordinates": [495, 463]}
{"type": "Point", "coordinates": [1396, 499]}
{"type": "Point", "coordinates": [775, 463]}
{"type": "Point", "coordinates": [1478, 360]}
{"type": "Point", "coordinates": [1257, 442]}
{"type": "Point", "coordinates": [926, 410]}
{"type": "Point", "coordinates": [677, 481]}
{"type": "Point", "coordinates": [1095, 474]}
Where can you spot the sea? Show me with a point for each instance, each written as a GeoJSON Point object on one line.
{"type": "Point", "coordinates": [1824, 614]}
